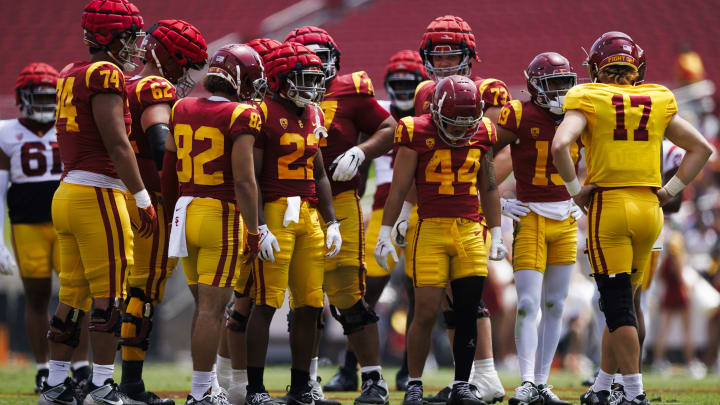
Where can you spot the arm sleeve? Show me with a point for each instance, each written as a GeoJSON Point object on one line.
{"type": "Point", "coordinates": [245, 120]}
{"type": "Point", "coordinates": [104, 77]}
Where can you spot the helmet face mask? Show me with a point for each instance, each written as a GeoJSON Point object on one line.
{"type": "Point", "coordinates": [123, 49]}
{"type": "Point", "coordinates": [328, 58]}
{"type": "Point", "coordinates": [305, 86]}
{"type": "Point", "coordinates": [400, 86]}
{"type": "Point", "coordinates": [38, 103]}
{"type": "Point", "coordinates": [447, 60]}
{"type": "Point", "coordinates": [551, 89]}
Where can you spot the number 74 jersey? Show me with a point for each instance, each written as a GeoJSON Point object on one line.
{"type": "Point", "coordinates": [624, 131]}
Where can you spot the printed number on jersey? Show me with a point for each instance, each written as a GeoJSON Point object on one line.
{"type": "Point", "coordinates": [34, 162]}
{"type": "Point", "coordinates": [439, 170]}
{"type": "Point", "coordinates": [66, 110]}
{"type": "Point", "coordinates": [303, 171]}
{"type": "Point", "coordinates": [545, 172]}
{"type": "Point", "coordinates": [192, 168]}
{"type": "Point", "coordinates": [621, 132]}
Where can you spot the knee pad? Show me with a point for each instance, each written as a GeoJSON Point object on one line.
{"type": "Point", "coordinates": [143, 323]}
{"type": "Point", "coordinates": [106, 320]}
{"type": "Point", "coordinates": [482, 311]}
{"type": "Point", "coordinates": [354, 318]}
{"type": "Point", "coordinates": [449, 317]}
{"type": "Point", "coordinates": [235, 321]}
{"type": "Point", "coordinates": [616, 300]}
{"type": "Point", "coordinates": [66, 331]}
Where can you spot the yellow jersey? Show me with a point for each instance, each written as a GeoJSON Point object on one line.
{"type": "Point", "coordinates": [624, 131]}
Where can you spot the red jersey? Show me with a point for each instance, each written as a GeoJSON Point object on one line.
{"type": "Point", "coordinates": [81, 147]}
{"type": "Point", "coordinates": [494, 93]}
{"type": "Point", "coordinates": [289, 147]}
{"type": "Point", "coordinates": [446, 177]}
{"type": "Point", "coordinates": [204, 130]}
{"type": "Point", "coordinates": [350, 108]}
{"type": "Point", "coordinates": [537, 179]}
{"type": "Point", "coordinates": [384, 165]}
{"type": "Point", "coordinates": [142, 93]}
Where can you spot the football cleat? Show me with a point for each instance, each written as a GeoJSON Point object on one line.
{"type": "Point", "coordinates": [318, 395]}
{"type": "Point", "coordinates": [208, 399]}
{"type": "Point", "coordinates": [617, 394]}
{"type": "Point", "coordinates": [439, 398]}
{"type": "Point", "coordinates": [526, 394]}
{"type": "Point", "coordinates": [106, 394]}
{"type": "Point", "coordinates": [259, 398]}
{"type": "Point", "coordinates": [638, 400]}
{"type": "Point", "coordinates": [549, 397]}
{"type": "Point", "coordinates": [342, 381]}
{"type": "Point", "coordinates": [145, 398]}
{"type": "Point", "coordinates": [40, 378]}
{"type": "Point", "coordinates": [489, 387]}
{"type": "Point", "coordinates": [414, 394]}
{"type": "Point", "coordinates": [374, 390]}
{"type": "Point", "coordinates": [304, 397]}
{"type": "Point", "coordinates": [461, 394]}
{"type": "Point", "coordinates": [595, 398]}
{"type": "Point", "coordinates": [61, 394]}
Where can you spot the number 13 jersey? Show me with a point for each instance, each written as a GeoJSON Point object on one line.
{"type": "Point", "coordinates": [624, 131]}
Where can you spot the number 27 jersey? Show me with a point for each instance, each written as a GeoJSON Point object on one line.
{"type": "Point", "coordinates": [624, 131]}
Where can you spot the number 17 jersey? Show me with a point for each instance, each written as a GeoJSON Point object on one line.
{"type": "Point", "coordinates": [624, 131]}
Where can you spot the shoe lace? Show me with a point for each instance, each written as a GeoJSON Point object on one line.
{"type": "Point", "coordinates": [463, 390]}
{"type": "Point", "coordinates": [547, 392]}
{"type": "Point", "coordinates": [524, 390]}
{"type": "Point", "coordinates": [414, 392]}
{"type": "Point", "coordinates": [370, 386]}
{"type": "Point", "coordinates": [261, 398]}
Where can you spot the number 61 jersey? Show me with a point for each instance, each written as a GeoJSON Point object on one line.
{"type": "Point", "coordinates": [624, 131]}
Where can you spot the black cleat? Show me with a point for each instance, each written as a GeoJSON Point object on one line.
{"type": "Point", "coordinates": [413, 394]}
{"type": "Point", "coordinates": [549, 397]}
{"type": "Point", "coordinates": [303, 397]}
{"type": "Point", "coordinates": [638, 400]}
{"type": "Point", "coordinates": [440, 398]}
{"type": "Point", "coordinates": [401, 380]}
{"type": "Point", "coordinates": [259, 398]}
{"type": "Point", "coordinates": [145, 398]}
{"type": "Point", "coordinates": [595, 398]}
{"type": "Point", "coordinates": [61, 394]}
{"type": "Point", "coordinates": [40, 378]}
{"type": "Point", "coordinates": [462, 395]}
{"type": "Point", "coordinates": [81, 378]}
{"type": "Point", "coordinates": [374, 390]}
{"type": "Point", "coordinates": [342, 381]}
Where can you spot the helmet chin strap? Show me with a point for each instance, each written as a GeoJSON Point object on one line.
{"type": "Point", "coordinates": [157, 63]}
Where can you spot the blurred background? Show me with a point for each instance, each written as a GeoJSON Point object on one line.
{"type": "Point", "coordinates": [681, 40]}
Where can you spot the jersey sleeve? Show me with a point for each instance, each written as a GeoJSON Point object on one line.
{"type": "Point", "coordinates": [363, 84]}
{"type": "Point", "coordinates": [5, 135]}
{"type": "Point", "coordinates": [494, 93]}
{"type": "Point", "coordinates": [154, 90]}
{"type": "Point", "coordinates": [105, 77]}
{"type": "Point", "coordinates": [245, 120]}
{"type": "Point", "coordinates": [578, 99]}
{"type": "Point", "coordinates": [404, 132]}
{"type": "Point", "coordinates": [421, 97]}
{"type": "Point", "coordinates": [672, 107]}
{"type": "Point", "coordinates": [510, 116]}
{"type": "Point", "coordinates": [486, 136]}
{"type": "Point", "coordinates": [368, 114]}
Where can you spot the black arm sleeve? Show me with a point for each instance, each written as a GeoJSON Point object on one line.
{"type": "Point", "coordinates": [156, 135]}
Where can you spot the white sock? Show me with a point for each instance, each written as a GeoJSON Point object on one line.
{"type": "Point", "coordinates": [633, 385]}
{"type": "Point", "coordinates": [58, 372]}
{"type": "Point", "coordinates": [238, 387]}
{"type": "Point", "coordinates": [214, 382]}
{"type": "Point", "coordinates": [239, 377]}
{"type": "Point", "coordinates": [101, 373]}
{"type": "Point", "coordinates": [313, 368]}
{"type": "Point", "coordinates": [555, 286]}
{"type": "Point", "coordinates": [223, 369]}
{"type": "Point", "coordinates": [602, 381]}
{"type": "Point", "coordinates": [201, 383]}
{"type": "Point", "coordinates": [528, 284]}
{"type": "Point", "coordinates": [78, 364]}
{"type": "Point", "coordinates": [618, 379]}
{"type": "Point", "coordinates": [482, 367]}
{"type": "Point", "coordinates": [370, 369]}
{"type": "Point", "coordinates": [42, 366]}
{"type": "Point", "coordinates": [414, 379]}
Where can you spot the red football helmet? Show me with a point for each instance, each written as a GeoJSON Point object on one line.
{"type": "Point", "coordinates": [612, 48]}
{"type": "Point", "coordinates": [104, 21]}
{"type": "Point", "coordinates": [403, 73]}
{"type": "Point", "coordinates": [176, 47]}
{"type": "Point", "coordinates": [35, 92]}
{"type": "Point", "coordinates": [549, 77]}
{"type": "Point", "coordinates": [296, 73]}
{"type": "Point", "coordinates": [457, 109]}
{"type": "Point", "coordinates": [447, 36]}
{"type": "Point", "coordinates": [319, 41]}
{"type": "Point", "coordinates": [242, 67]}
{"type": "Point", "coordinates": [264, 46]}
{"type": "Point", "coordinates": [641, 65]}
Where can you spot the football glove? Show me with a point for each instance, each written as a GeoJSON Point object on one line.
{"type": "Point", "coordinates": [347, 164]}
{"type": "Point", "coordinates": [498, 251]}
{"type": "Point", "coordinates": [385, 247]}
{"type": "Point", "coordinates": [513, 209]}
{"type": "Point", "coordinates": [252, 245]}
{"type": "Point", "coordinates": [268, 243]}
{"type": "Point", "coordinates": [398, 234]}
{"type": "Point", "coordinates": [575, 211]}
{"type": "Point", "coordinates": [333, 238]}
{"type": "Point", "coordinates": [8, 266]}
{"type": "Point", "coordinates": [148, 218]}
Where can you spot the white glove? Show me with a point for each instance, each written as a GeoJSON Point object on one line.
{"type": "Point", "coordinates": [384, 247]}
{"type": "Point", "coordinates": [575, 211]}
{"type": "Point", "coordinates": [347, 164]}
{"type": "Point", "coordinates": [268, 243]}
{"type": "Point", "coordinates": [398, 234]}
{"type": "Point", "coordinates": [333, 239]}
{"type": "Point", "coordinates": [7, 261]}
{"type": "Point", "coordinates": [498, 251]}
{"type": "Point", "coordinates": [513, 209]}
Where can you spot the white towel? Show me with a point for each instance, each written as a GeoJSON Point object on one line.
{"type": "Point", "coordinates": [177, 245]}
{"type": "Point", "coordinates": [292, 212]}
{"type": "Point", "coordinates": [658, 245]}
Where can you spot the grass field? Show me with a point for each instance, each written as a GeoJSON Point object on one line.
{"type": "Point", "coordinates": [174, 381]}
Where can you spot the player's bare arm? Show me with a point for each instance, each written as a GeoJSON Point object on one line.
{"type": "Point", "coordinates": [154, 121]}
{"type": "Point", "coordinates": [169, 179]}
{"type": "Point", "coordinates": [501, 153]}
{"type": "Point", "coordinates": [403, 179]}
{"type": "Point", "coordinates": [258, 162]}
{"type": "Point", "coordinates": [246, 190]}
{"type": "Point", "coordinates": [489, 195]}
{"type": "Point", "coordinates": [567, 133]}
{"type": "Point", "coordinates": [324, 193]}
{"type": "Point", "coordinates": [381, 141]}
{"type": "Point", "coordinates": [683, 134]}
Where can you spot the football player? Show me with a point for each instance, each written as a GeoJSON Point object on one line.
{"type": "Point", "coordinates": [171, 48]}
{"type": "Point", "coordinates": [545, 239]}
{"type": "Point", "coordinates": [211, 149]}
{"type": "Point", "coordinates": [622, 124]}
{"type": "Point", "coordinates": [292, 177]}
{"type": "Point", "coordinates": [350, 108]}
{"type": "Point", "coordinates": [447, 154]}
{"type": "Point", "coordinates": [30, 159]}
{"type": "Point", "coordinates": [403, 73]}
{"type": "Point", "coordinates": [447, 48]}
{"type": "Point", "coordinates": [89, 207]}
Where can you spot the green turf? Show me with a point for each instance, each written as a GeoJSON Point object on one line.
{"type": "Point", "coordinates": [174, 380]}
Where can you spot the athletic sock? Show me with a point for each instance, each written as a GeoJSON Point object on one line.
{"type": "Point", "coordinates": [602, 381]}
{"type": "Point", "coordinates": [351, 362]}
{"type": "Point", "coordinates": [131, 372]}
{"type": "Point", "coordinates": [255, 379]}
{"type": "Point", "coordinates": [298, 380]}
{"type": "Point", "coordinates": [101, 373]}
{"type": "Point", "coordinates": [370, 369]}
{"type": "Point", "coordinates": [618, 379]}
{"type": "Point", "coordinates": [313, 368]}
{"type": "Point", "coordinates": [239, 377]}
{"type": "Point", "coordinates": [633, 385]}
{"type": "Point", "coordinates": [201, 383]}
{"type": "Point", "coordinates": [223, 370]}
{"type": "Point", "coordinates": [59, 371]}
{"type": "Point", "coordinates": [80, 364]}
{"type": "Point", "coordinates": [42, 366]}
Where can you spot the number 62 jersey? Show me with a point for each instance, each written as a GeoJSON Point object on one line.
{"type": "Point", "coordinates": [35, 169]}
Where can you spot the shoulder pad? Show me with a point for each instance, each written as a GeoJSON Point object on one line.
{"type": "Point", "coordinates": [510, 115]}
{"type": "Point", "coordinates": [494, 92]}
{"type": "Point", "coordinates": [155, 89]}
{"type": "Point", "coordinates": [405, 131]}
{"type": "Point", "coordinates": [363, 84]}
{"type": "Point", "coordinates": [104, 77]}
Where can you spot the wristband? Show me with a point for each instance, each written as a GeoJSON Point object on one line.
{"type": "Point", "coordinates": [142, 199]}
{"type": "Point", "coordinates": [496, 233]}
{"type": "Point", "coordinates": [406, 211]}
{"type": "Point", "coordinates": [385, 231]}
{"type": "Point", "coordinates": [573, 187]}
{"type": "Point", "coordinates": [674, 186]}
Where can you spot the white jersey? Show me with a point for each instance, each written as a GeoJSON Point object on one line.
{"type": "Point", "coordinates": [383, 164]}
{"type": "Point", "coordinates": [33, 157]}
{"type": "Point", "coordinates": [672, 156]}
